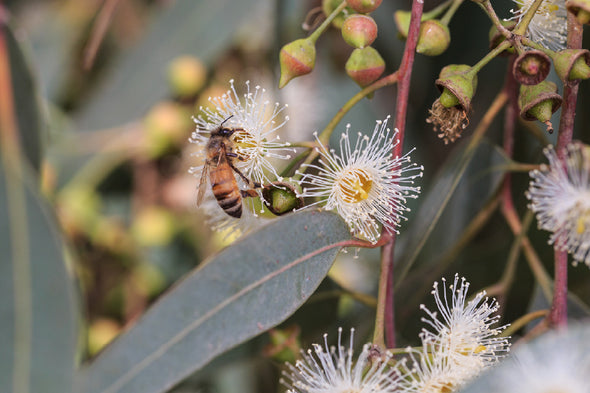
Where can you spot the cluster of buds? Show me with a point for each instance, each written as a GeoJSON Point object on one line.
{"type": "Point", "coordinates": [434, 37]}
{"type": "Point", "coordinates": [365, 65]}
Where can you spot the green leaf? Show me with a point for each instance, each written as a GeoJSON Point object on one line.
{"type": "Point", "coordinates": [26, 100]}
{"type": "Point", "coordinates": [436, 199]}
{"type": "Point", "coordinates": [203, 29]}
{"type": "Point", "coordinates": [38, 315]}
{"type": "Point", "coordinates": [245, 290]}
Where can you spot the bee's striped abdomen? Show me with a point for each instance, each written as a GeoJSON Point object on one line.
{"type": "Point", "coordinates": [226, 190]}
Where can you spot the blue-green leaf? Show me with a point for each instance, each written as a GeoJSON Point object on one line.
{"type": "Point", "coordinates": [38, 330]}
{"type": "Point", "coordinates": [248, 288]}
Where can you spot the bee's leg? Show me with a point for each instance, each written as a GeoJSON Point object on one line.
{"type": "Point", "coordinates": [251, 183]}
{"type": "Point", "coordinates": [252, 193]}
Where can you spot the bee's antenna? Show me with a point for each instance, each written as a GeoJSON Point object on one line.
{"type": "Point", "coordinates": [223, 122]}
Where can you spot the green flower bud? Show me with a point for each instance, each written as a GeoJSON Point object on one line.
{"type": "Point", "coordinates": [572, 64]}
{"type": "Point", "coordinates": [359, 31]}
{"type": "Point", "coordinates": [166, 125]}
{"type": "Point", "coordinates": [364, 6]}
{"type": "Point", "coordinates": [581, 9]}
{"type": "Point", "coordinates": [496, 37]}
{"type": "Point", "coordinates": [153, 226]}
{"type": "Point", "coordinates": [531, 67]}
{"type": "Point", "coordinates": [539, 102]}
{"type": "Point", "coordinates": [434, 38]}
{"type": "Point", "coordinates": [328, 6]}
{"type": "Point", "coordinates": [281, 198]}
{"type": "Point", "coordinates": [402, 21]}
{"type": "Point", "coordinates": [187, 76]}
{"type": "Point", "coordinates": [297, 58]}
{"type": "Point", "coordinates": [365, 66]}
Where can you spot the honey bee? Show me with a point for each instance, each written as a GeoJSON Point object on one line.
{"type": "Point", "coordinates": [219, 167]}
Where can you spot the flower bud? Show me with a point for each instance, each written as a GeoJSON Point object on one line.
{"type": "Point", "coordinates": [460, 81]}
{"type": "Point", "coordinates": [153, 226]}
{"type": "Point", "coordinates": [281, 198]}
{"type": "Point", "coordinates": [580, 8]}
{"type": "Point", "coordinates": [328, 6]}
{"type": "Point", "coordinates": [531, 67]}
{"type": "Point", "coordinates": [187, 76]}
{"type": "Point", "coordinates": [434, 38]}
{"type": "Point", "coordinates": [359, 31]}
{"type": "Point", "coordinates": [365, 66]}
{"type": "Point", "coordinates": [166, 125]}
{"type": "Point", "coordinates": [572, 64]}
{"type": "Point", "coordinates": [297, 58]}
{"type": "Point", "coordinates": [364, 6]}
{"type": "Point", "coordinates": [402, 21]}
{"type": "Point", "coordinates": [539, 102]}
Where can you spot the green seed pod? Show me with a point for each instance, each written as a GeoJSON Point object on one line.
{"type": "Point", "coordinates": [364, 6]}
{"type": "Point", "coordinates": [572, 64]}
{"type": "Point", "coordinates": [539, 102]}
{"type": "Point", "coordinates": [531, 67]}
{"type": "Point", "coordinates": [281, 198]}
{"type": "Point", "coordinates": [365, 66]}
{"type": "Point", "coordinates": [166, 125]}
{"type": "Point", "coordinates": [297, 58]}
{"type": "Point", "coordinates": [434, 38]}
{"type": "Point", "coordinates": [359, 31]}
{"type": "Point", "coordinates": [460, 81]}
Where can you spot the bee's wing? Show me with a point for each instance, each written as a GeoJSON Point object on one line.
{"type": "Point", "coordinates": [202, 186]}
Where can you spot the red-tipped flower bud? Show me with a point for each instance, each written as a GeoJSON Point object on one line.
{"type": "Point", "coordinates": [539, 102]}
{"type": "Point", "coordinates": [297, 58]}
{"type": "Point", "coordinates": [531, 67]}
{"type": "Point", "coordinates": [365, 66]}
{"type": "Point", "coordinates": [281, 198]}
{"type": "Point", "coordinates": [359, 31]}
{"type": "Point", "coordinates": [434, 38]}
{"type": "Point", "coordinates": [572, 64]}
{"type": "Point", "coordinates": [581, 9]}
{"type": "Point", "coordinates": [364, 6]}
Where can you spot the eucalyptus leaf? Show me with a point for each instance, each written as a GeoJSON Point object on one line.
{"type": "Point", "coordinates": [137, 80]}
{"type": "Point", "coordinates": [436, 198]}
{"type": "Point", "coordinates": [38, 313]}
{"type": "Point", "coordinates": [25, 99]}
{"type": "Point", "coordinates": [243, 291]}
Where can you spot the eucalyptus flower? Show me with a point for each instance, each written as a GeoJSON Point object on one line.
{"type": "Point", "coordinates": [364, 184]}
{"type": "Point", "coordinates": [560, 197]}
{"type": "Point", "coordinates": [335, 370]}
{"type": "Point", "coordinates": [549, 24]}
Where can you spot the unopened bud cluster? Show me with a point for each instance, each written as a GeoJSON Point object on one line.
{"type": "Point", "coordinates": [359, 30]}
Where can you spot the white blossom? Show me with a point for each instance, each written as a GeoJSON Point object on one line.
{"type": "Point", "coordinates": [364, 184]}
{"type": "Point", "coordinates": [560, 197]}
{"type": "Point", "coordinates": [333, 370]}
{"type": "Point", "coordinates": [549, 25]}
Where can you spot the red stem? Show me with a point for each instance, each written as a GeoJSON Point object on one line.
{"type": "Point", "coordinates": [387, 252]}
{"type": "Point", "coordinates": [558, 314]}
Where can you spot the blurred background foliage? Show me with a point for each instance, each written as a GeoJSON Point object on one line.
{"type": "Point", "coordinates": [118, 82]}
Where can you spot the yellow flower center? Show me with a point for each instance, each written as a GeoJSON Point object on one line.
{"type": "Point", "coordinates": [243, 141]}
{"type": "Point", "coordinates": [355, 185]}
